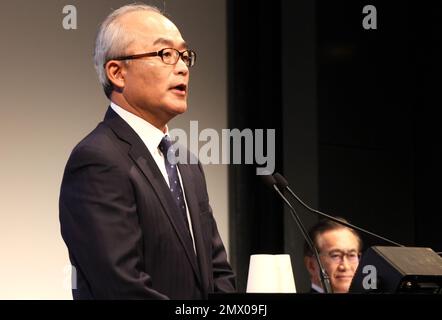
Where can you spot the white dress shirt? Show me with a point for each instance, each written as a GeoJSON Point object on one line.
{"type": "Point", "coordinates": [317, 288]}
{"type": "Point", "coordinates": [152, 136]}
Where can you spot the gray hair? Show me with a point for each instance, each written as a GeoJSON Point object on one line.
{"type": "Point", "coordinates": [112, 40]}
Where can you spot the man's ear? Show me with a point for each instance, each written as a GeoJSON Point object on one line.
{"type": "Point", "coordinates": [310, 265]}
{"type": "Point", "coordinates": [115, 71]}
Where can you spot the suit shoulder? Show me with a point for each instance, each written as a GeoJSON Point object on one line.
{"type": "Point", "coordinates": [99, 143]}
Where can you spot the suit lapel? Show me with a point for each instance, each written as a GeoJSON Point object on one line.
{"type": "Point", "coordinates": [143, 159]}
{"type": "Point", "coordinates": [192, 203]}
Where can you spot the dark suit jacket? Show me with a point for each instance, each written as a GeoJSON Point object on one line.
{"type": "Point", "coordinates": [312, 290]}
{"type": "Point", "coordinates": [118, 220]}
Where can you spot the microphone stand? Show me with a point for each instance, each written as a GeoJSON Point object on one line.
{"type": "Point", "coordinates": [283, 184]}
{"type": "Point", "coordinates": [325, 279]}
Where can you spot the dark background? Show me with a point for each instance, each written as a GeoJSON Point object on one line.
{"type": "Point", "coordinates": [356, 114]}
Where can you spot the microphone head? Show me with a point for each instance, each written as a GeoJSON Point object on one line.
{"type": "Point", "coordinates": [268, 180]}
{"type": "Point", "coordinates": [280, 180]}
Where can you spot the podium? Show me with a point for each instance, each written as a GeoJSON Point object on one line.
{"type": "Point", "coordinates": [398, 270]}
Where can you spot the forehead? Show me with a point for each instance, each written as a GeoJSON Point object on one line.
{"type": "Point", "coordinates": [146, 27]}
{"type": "Point", "coordinates": [338, 239]}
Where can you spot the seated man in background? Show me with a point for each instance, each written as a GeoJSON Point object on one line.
{"type": "Point", "coordinates": [339, 249]}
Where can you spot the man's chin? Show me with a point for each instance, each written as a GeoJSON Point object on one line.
{"type": "Point", "coordinates": [180, 110]}
{"type": "Point", "coordinates": [177, 108]}
{"type": "Point", "coordinates": [342, 286]}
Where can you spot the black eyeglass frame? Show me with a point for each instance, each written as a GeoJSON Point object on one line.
{"type": "Point", "coordinates": [341, 254]}
{"type": "Point", "coordinates": [191, 56]}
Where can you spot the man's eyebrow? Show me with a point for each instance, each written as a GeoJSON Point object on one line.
{"type": "Point", "coordinates": [170, 43]}
{"type": "Point", "coordinates": [343, 251]}
{"type": "Point", "coordinates": [336, 251]}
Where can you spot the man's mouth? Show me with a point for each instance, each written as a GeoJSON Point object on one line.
{"type": "Point", "coordinates": [179, 89]}
{"type": "Point", "coordinates": [343, 277]}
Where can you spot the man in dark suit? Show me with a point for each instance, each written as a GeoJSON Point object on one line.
{"type": "Point", "coordinates": [339, 249]}
{"type": "Point", "coordinates": [136, 225]}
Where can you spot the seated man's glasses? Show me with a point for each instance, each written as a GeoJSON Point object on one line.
{"type": "Point", "coordinates": [337, 256]}
{"type": "Point", "coordinates": [168, 55]}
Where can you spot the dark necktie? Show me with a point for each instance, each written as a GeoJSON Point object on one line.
{"type": "Point", "coordinates": [165, 147]}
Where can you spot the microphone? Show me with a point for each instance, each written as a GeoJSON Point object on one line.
{"type": "Point", "coordinates": [284, 185]}
{"type": "Point", "coordinates": [325, 279]}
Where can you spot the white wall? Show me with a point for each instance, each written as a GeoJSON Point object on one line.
{"type": "Point", "coordinates": [50, 99]}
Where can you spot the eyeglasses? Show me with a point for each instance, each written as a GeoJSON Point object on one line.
{"type": "Point", "coordinates": [168, 55]}
{"type": "Point", "coordinates": [337, 256]}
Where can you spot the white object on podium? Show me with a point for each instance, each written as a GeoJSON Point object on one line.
{"type": "Point", "coordinates": [269, 273]}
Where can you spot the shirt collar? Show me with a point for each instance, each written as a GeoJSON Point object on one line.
{"type": "Point", "coordinates": [317, 288]}
{"type": "Point", "coordinates": [150, 134]}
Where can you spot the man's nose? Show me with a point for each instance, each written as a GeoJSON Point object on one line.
{"type": "Point", "coordinates": [344, 264]}
{"type": "Point", "coordinates": [181, 67]}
